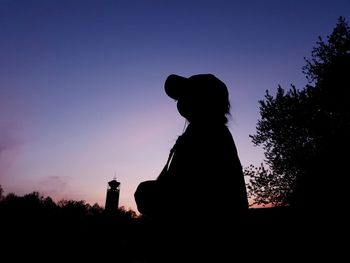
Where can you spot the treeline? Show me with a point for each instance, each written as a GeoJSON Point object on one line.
{"type": "Point", "coordinates": [35, 205]}
{"type": "Point", "coordinates": [36, 224]}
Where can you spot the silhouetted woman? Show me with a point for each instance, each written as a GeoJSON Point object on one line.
{"type": "Point", "coordinates": [200, 195]}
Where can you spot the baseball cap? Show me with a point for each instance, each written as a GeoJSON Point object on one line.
{"type": "Point", "coordinates": [200, 86]}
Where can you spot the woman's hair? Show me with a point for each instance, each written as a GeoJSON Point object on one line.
{"type": "Point", "coordinates": [217, 110]}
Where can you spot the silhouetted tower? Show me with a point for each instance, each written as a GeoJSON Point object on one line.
{"type": "Point", "coordinates": [112, 198]}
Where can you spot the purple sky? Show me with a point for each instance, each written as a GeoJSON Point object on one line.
{"type": "Point", "coordinates": [81, 91]}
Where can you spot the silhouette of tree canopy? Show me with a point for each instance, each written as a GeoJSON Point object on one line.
{"type": "Point", "coordinates": [304, 132]}
{"type": "Point", "coordinates": [68, 228]}
{"type": "Point", "coordinates": [35, 209]}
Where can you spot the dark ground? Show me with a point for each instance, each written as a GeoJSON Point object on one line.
{"type": "Point", "coordinates": [269, 234]}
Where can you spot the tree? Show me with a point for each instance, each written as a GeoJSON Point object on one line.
{"type": "Point", "coordinates": [304, 132]}
{"type": "Point", "coordinates": [96, 209]}
{"type": "Point", "coordinates": [72, 209]}
{"type": "Point", "coordinates": [1, 193]}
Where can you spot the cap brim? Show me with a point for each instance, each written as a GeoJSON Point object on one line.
{"type": "Point", "coordinates": [175, 85]}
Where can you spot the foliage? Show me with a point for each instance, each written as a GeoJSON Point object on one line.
{"type": "Point", "coordinates": [265, 187]}
{"type": "Point", "coordinates": [36, 208]}
{"type": "Point", "coordinates": [325, 53]}
{"type": "Point", "coordinates": [298, 129]}
{"type": "Point", "coordinates": [37, 225]}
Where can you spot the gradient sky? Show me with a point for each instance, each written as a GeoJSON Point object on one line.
{"type": "Point", "coordinates": [81, 82]}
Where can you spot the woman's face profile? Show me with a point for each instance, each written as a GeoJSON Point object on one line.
{"type": "Point", "coordinates": [188, 108]}
{"type": "Point", "coordinates": [184, 108]}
